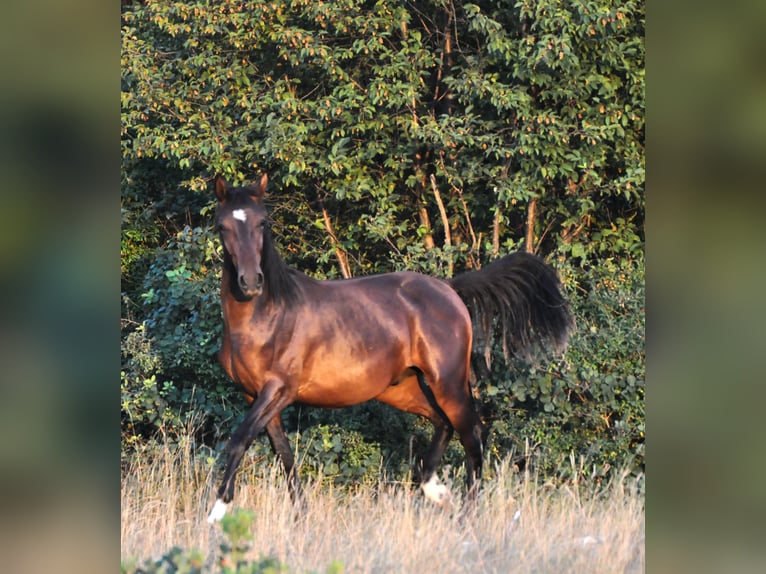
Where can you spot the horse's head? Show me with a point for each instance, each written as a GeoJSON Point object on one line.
{"type": "Point", "coordinates": [241, 220]}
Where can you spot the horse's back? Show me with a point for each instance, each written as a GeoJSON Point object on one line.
{"type": "Point", "coordinates": [402, 293]}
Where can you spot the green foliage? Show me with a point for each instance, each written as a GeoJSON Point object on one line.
{"type": "Point", "coordinates": [356, 104]}
{"type": "Point", "coordinates": [352, 107]}
{"type": "Point", "coordinates": [236, 527]}
{"type": "Point", "coordinates": [175, 561]}
{"type": "Point", "coordinates": [170, 370]}
{"type": "Point", "coordinates": [592, 403]}
{"type": "Point", "coordinates": [340, 454]}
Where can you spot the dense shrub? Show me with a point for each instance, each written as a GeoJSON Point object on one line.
{"type": "Point", "coordinates": [429, 136]}
{"type": "Point", "coordinates": [170, 372]}
{"type": "Point", "coordinates": [589, 404]}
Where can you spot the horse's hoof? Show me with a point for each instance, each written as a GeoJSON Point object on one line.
{"type": "Point", "coordinates": [436, 491]}
{"type": "Point", "coordinates": [218, 512]}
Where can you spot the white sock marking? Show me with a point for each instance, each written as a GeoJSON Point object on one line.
{"type": "Point", "coordinates": [239, 214]}
{"type": "Point", "coordinates": [218, 511]}
{"type": "Point", "coordinates": [436, 491]}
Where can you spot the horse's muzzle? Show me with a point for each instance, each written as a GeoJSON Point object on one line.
{"type": "Point", "coordinates": [251, 286]}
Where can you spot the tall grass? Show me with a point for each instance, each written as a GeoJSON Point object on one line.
{"type": "Point", "coordinates": [518, 525]}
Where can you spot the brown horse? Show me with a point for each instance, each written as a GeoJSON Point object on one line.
{"type": "Point", "coordinates": [401, 338]}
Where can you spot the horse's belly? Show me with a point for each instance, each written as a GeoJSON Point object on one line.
{"type": "Point", "coordinates": [339, 390]}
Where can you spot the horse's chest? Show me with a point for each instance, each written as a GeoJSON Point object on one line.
{"type": "Point", "coordinates": [246, 361]}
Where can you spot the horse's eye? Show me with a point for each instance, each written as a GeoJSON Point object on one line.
{"type": "Point", "coordinates": [264, 223]}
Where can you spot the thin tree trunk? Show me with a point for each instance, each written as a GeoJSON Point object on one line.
{"type": "Point", "coordinates": [531, 219]}
{"type": "Point", "coordinates": [443, 99]}
{"type": "Point", "coordinates": [425, 221]}
{"type": "Point", "coordinates": [442, 211]}
{"type": "Point", "coordinates": [445, 220]}
{"type": "Point", "coordinates": [345, 269]}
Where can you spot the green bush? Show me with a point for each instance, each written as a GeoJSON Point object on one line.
{"type": "Point", "coordinates": [532, 127]}
{"type": "Point", "coordinates": [352, 107]}
{"type": "Point", "coordinates": [170, 372]}
{"type": "Point", "coordinates": [332, 452]}
{"type": "Point", "coordinates": [591, 403]}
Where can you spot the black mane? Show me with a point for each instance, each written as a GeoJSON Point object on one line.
{"type": "Point", "coordinates": [281, 285]}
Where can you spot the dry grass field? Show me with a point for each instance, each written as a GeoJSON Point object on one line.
{"type": "Point", "coordinates": [518, 525]}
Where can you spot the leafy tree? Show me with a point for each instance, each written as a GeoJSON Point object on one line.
{"type": "Point", "coordinates": [528, 111]}
{"type": "Point", "coordinates": [428, 135]}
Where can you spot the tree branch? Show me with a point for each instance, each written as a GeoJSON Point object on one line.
{"type": "Point", "coordinates": [345, 269]}
{"type": "Point", "coordinates": [442, 211]}
{"type": "Point", "coordinates": [529, 246]}
{"type": "Point", "coordinates": [496, 233]}
{"type": "Point", "coordinates": [425, 221]}
{"type": "Point", "coordinates": [445, 220]}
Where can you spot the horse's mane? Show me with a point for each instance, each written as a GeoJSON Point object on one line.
{"type": "Point", "coordinates": [281, 282]}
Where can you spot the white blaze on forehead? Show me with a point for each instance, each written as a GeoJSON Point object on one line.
{"type": "Point", "coordinates": [239, 214]}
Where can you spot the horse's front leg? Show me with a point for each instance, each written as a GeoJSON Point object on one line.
{"type": "Point", "coordinates": [272, 399]}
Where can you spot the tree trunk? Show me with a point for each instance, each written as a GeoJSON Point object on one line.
{"type": "Point", "coordinates": [529, 241]}
{"type": "Point", "coordinates": [445, 220]}
{"type": "Point", "coordinates": [345, 269]}
{"type": "Point", "coordinates": [425, 221]}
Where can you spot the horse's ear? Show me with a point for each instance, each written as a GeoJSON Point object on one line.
{"type": "Point", "coordinates": [221, 188]}
{"type": "Point", "coordinates": [258, 190]}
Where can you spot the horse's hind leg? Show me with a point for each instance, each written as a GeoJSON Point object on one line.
{"type": "Point", "coordinates": [442, 436]}
{"type": "Point", "coordinates": [471, 432]}
{"type": "Point", "coordinates": [408, 397]}
{"type": "Point", "coordinates": [282, 449]}
{"type": "Point", "coordinates": [428, 480]}
{"type": "Point", "coordinates": [443, 432]}
{"type": "Point", "coordinates": [458, 408]}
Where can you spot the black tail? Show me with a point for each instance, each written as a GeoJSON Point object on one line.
{"type": "Point", "coordinates": [518, 298]}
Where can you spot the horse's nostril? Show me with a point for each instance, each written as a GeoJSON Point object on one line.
{"type": "Point", "coordinates": [252, 286]}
